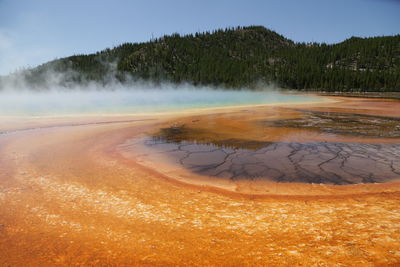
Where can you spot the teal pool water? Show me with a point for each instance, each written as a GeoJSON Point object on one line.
{"type": "Point", "coordinates": [134, 101]}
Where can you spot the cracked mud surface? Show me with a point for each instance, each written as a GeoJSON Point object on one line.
{"type": "Point", "coordinates": [325, 163]}
{"type": "Point", "coordinates": [317, 146]}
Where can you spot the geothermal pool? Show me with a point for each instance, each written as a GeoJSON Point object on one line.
{"type": "Point", "coordinates": [135, 100]}
{"type": "Point", "coordinates": [257, 135]}
{"type": "Point", "coordinates": [305, 182]}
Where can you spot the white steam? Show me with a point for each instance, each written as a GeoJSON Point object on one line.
{"type": "Point", "coordinates": [19, 98]}
{"type": "Point", "coordinates": [130, 99]}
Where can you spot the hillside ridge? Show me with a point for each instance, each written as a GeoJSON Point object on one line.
{"type": "Point", "coordinates": [234, 58]}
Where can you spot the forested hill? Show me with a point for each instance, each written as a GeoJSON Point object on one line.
{"type": "Point", "coordinates": [238, 57]}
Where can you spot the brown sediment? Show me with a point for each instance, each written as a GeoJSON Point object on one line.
{"type": "Point", "coordinates": [360, 125]}
{"type": "Point", "coordinates": [69, 197]}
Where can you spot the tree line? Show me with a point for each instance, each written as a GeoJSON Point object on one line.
{"type": "Point", "coordinates": [240, 57]}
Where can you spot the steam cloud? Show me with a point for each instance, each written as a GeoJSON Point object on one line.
{"type": "Point", "coordinates": [56, 97]}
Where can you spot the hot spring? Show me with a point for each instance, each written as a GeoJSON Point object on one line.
{"type": "Point", "coordinates": [134, 100]}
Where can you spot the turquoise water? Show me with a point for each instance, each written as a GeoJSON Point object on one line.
{"type": "Point", "coordinates": [134, 101]}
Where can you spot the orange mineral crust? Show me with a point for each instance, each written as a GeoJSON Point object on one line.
{"type": "Point", "coordinates": [72, 194]}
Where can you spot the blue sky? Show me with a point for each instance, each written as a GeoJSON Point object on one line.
{"type": "Point", "coordinates": [35, 31]}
